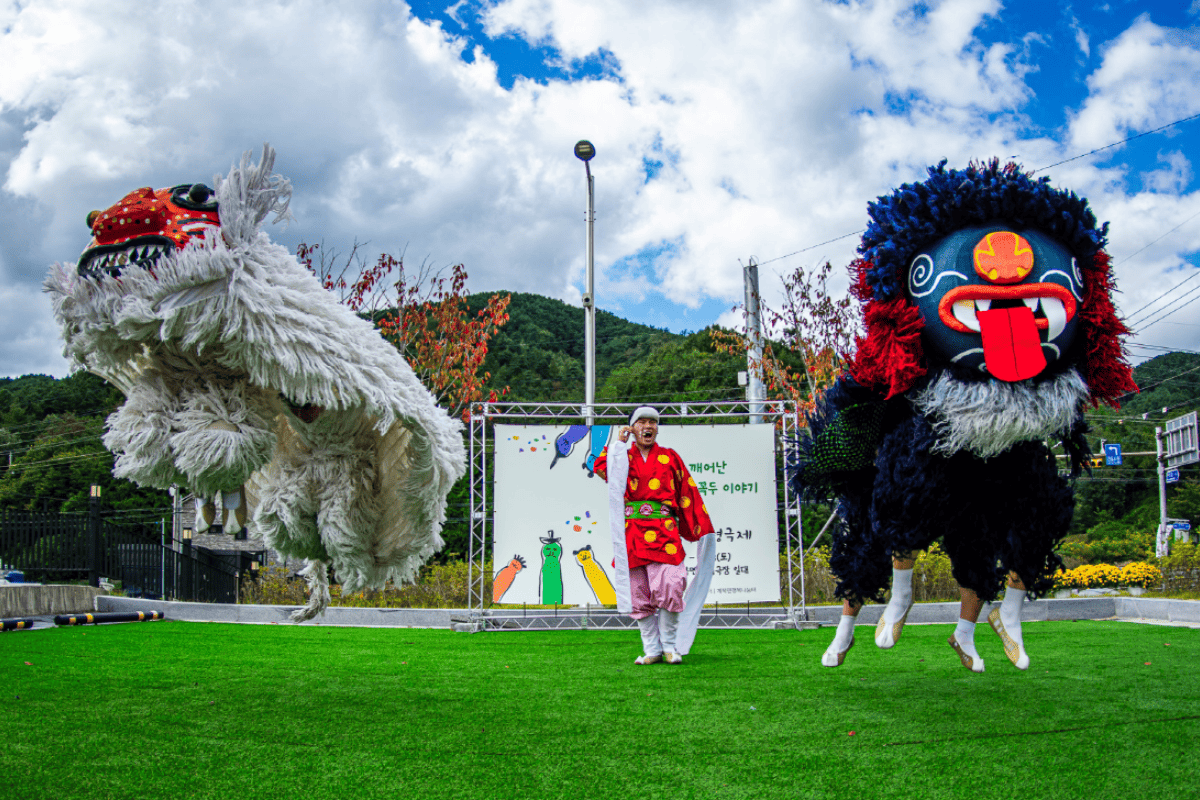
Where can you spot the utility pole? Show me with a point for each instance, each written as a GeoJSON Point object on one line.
{"type": "Point", "coordinates": [1162, 544]}
{"type": "Point", "coordinates": [754, 382]}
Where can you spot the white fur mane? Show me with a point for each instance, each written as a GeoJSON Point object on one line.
{"type": "Point", "coordinates": [218, 331]}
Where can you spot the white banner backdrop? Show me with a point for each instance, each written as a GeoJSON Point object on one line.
{"type": "Point", "coordinates": [551, 535]}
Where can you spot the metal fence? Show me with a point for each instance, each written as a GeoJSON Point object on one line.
{"type": "Point", "coordinates": [55, 547]}
{"type": "Point", "coordinates": [484, 416]}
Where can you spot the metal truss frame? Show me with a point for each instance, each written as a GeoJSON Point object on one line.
{"type": "Point", "coordinates": [482, 616]}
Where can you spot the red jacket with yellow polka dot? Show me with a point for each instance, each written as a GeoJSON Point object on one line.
{"type": "Point", "coordinates": [662, 504]}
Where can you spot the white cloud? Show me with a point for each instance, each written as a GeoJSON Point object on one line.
{"type": "Point", "coordinates": [1147, 79]}
{"type": "Point", "coordinates": [774, 122]}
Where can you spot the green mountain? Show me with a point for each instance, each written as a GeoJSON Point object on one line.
{"type": "Point", "coordinates": [539, 356]}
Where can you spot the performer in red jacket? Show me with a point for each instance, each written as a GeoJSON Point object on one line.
{"type": "Point", "coordinates": [662, 507]}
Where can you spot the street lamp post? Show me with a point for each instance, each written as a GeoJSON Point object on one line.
{"type": "Point", "coordinates": [585, 152]}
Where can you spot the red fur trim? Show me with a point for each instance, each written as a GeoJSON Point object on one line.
{"type": "Point", "coordinates": [1105, 369]}
{"type": "Point", "coordinates": [859, 287]}
{"type": "Point", "coordinates": [890, 358]}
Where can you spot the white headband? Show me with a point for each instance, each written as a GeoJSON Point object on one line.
{"type": "Point", "coordinates": [644, 411]}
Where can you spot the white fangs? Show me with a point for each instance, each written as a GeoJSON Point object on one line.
{"type": "Point", "coordinates": [1056, 315]}
{"type": "Point", "coordinates": [1052, 308]}
{"type": "Point", "coordinates": [121, 258]}
{"type": "Point", "coordinates": [964, 312]}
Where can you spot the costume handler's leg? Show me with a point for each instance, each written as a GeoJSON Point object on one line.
{"type": "Point", "coordinates": [963, 638]}
{"type": "Point", "coordinates": [843, 639]}
{"type": "Point", "coordinates": [891, 621]}
{"type": "Point", "coordinates": [1006, 621]}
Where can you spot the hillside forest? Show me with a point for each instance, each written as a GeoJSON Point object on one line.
{"type": "Point", "coordinates": [51, 450]}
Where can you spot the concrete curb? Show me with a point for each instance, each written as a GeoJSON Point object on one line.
{"type": "Point", "coordinates": [337, 616]}
{"type": "Point", "coordinates": [34, 599]}
{"type": "Point", "coordinates": [1133, 609]}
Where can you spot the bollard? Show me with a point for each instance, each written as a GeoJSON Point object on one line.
{"type": "Point", "coordinates": [15, 624]}
{"type": "Point", "coordinates": [114, 616]}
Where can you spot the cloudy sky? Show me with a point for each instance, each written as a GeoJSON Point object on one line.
{"type": "Point", "coordinates": [723, 131]}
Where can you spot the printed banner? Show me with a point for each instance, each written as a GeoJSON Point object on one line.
{"type": "Point", "coordinates": [552, 541]}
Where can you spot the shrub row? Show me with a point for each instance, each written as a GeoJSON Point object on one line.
{"type": "Point", "coordinates": [438, 586]}
{"type": "Point", "coordinates": [1096, 576]}
{"type": "Point", "coordinates": [445, 585]}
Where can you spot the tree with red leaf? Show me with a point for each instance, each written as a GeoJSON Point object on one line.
{"type": "Point", "coordinates": [424, 315]}
{"type": "Point", "coordinates": [811, 324]}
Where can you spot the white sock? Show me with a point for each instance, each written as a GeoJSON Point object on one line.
{"type": "Point", "coordinates": [1010, 611]}
{"type": "Point", "coordinates": [897, 607]}
{"type": "Point", "coordinates": [964, 634]}
{"type": "Point", "coordinates": [1010, 615]}
{"type": "Point", "coordinates": [902, 594]}
{"type": "Point", "coordinates": [229, 502]}
{"type": "Point", "coordinates": [206, 514]}
{"type": "Point", "coordinates": [841, 641]}
{"type": "Point", "coordinates": [649, 629]}
{"type": "Point", "coordinates": [668, 626]}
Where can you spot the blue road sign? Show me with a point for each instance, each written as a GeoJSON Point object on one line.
{"type": "Point", "coordinates": [1112, 454]}
{"type": "Point", "coordinates": [1182, 526]}
{"type": "Point", "coordinates": [1172, 476]}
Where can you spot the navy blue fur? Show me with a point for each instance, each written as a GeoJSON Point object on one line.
{"type": "Point", "coordinates": [919, 213]}
{"type": "Point", "coordinates": [992, 515]}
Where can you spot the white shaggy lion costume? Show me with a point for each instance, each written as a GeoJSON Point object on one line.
{"type": "Point", "coordinates": [242, 375]}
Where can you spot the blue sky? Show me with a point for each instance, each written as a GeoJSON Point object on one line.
{"type": "Point", "coordinates": [723, 131]}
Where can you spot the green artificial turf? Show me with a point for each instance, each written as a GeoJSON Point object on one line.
{"type": "Point", "coordinates": [181, 710]}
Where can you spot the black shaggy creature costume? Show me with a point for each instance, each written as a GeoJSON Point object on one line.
{"type": "Point", "coordinates": [942, 323]}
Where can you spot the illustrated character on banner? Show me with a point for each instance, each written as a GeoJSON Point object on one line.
{"type": "Point", "coordinates": [243, 377]}
{"type": "Point", "coordinates": [595, 576]}
{"type": "Point", "coordinates": [989, 327]}
{"type": "Point", "coordinates": [653, 505]}
{"type": "Point", "coordinates": [503, 580]}
{"type": "Point", "coordinates": [565, 442]}
{"type": "Point", "coordinates": [550, 578]}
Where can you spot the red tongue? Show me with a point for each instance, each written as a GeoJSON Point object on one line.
{"type": "Point", "coordinates": [1012, 348]}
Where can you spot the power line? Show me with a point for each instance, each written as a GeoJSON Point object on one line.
{"type": "Point", "coordinates": [1144, 325]}
{"type": "Point", "coordinates": [1039, 169]}
{"type": "Point", "coordinates": [812, 247]}
{"type": "Point", "coordinates": [1133, 314]}
{"type": "Point", "coordinates": [1115, 144]}
{"type": "Point", "coordinates": [1159, 239]}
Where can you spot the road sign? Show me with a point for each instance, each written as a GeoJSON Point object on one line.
{"type": "Point", "coordinates": [1112, 454]}
{"type": "Point", "coordinates": [1172, 476]}
{"type": "Point", "coordinates": [1181, 525]}
{"type": "Point", "coordinates": [1182, 445]}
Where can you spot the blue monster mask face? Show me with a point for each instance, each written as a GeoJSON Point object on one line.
{"type": "Point", "coordinates": [997, 298]}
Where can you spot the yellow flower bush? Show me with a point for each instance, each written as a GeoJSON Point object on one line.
{"type": "Point", "coordinates": [1063, 579]}
{"type": "Point", "coordinates": [1097, 576]}
{"type": "Point", "coordinates": [1101, 576]}
{"type": "Point", "coordinates": [1141, 574]}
